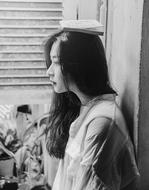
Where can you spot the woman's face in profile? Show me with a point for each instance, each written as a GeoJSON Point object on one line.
{"type": "Point", "coordinates": [54, 71]}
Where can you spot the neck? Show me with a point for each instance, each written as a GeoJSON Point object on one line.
{"type": "Point", "coordinates": [84, 99]}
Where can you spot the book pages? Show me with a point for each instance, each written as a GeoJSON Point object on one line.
{"type": "Point", "coordinates": [86, 26]}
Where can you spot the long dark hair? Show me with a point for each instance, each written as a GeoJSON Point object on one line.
{"type": "Point", "coordinates": [83, 61]}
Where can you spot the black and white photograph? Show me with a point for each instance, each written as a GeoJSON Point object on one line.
{"type": "Point", "coordinates": [74, 95]}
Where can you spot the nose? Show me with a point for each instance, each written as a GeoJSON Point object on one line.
{"type": "Point", "coordinates": [50, 71]}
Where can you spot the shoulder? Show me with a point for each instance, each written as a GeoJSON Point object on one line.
{"type": "Point", "coordinates": [102, 109]}
{"type": "Point", "coordinates": [98, 126]}
{"type": "Point", "coordinates": [107, 110]}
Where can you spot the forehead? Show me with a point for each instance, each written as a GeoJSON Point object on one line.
{"type": "Point", "coordinates": [55, 49]}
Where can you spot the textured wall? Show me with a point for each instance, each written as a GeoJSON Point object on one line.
{"type": "Point", "coordinates": [86, 9]}
{"type": "Point", "coordinates": [144, 102]}
{"type": "Point", "coordinates": [123, 53]}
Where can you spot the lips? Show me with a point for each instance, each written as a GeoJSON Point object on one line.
{"type": "Point", "coordinates": [52, 82]}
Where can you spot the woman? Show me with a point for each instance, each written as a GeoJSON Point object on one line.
{"type": "Point", "coordinates": [96, 152]}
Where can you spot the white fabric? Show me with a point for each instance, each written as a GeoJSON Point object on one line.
{"type": "Point", "coordinates": [50, 164]}
{"type": "Point", "coordinates": [65, 178]}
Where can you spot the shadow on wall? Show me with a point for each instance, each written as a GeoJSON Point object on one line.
{"type": "Point", "coordinates": [127, 106]}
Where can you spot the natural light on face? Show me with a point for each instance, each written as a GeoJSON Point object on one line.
{"type": "Point", "coordinates": [54, 71]}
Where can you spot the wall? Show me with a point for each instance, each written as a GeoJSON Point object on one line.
{"type": "Point", "coordinates": [69, 9]}
{"type": "Point", "coordinates": [123, 54]}
{"type": "Point", "coordinates": [144, 102]}
{"type": "Point", "coordinates": [86, 9]}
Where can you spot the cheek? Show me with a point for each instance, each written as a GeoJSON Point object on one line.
{"type": "Point", "coordinates": [62, 83]}
{"type": "Point", "coordinates": [60, 76]}
{"type": "Point", "coordinates": [61, 86]}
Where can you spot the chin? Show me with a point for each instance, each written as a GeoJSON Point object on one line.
{"type": "Point", "coordinates": [60, 90]}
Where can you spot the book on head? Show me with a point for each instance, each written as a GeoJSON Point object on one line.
{"type": "Point", "coordinates": [85, 26]}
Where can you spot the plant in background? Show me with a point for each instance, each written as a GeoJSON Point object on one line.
{"type": "Point", "coordinates": [9, 143]}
